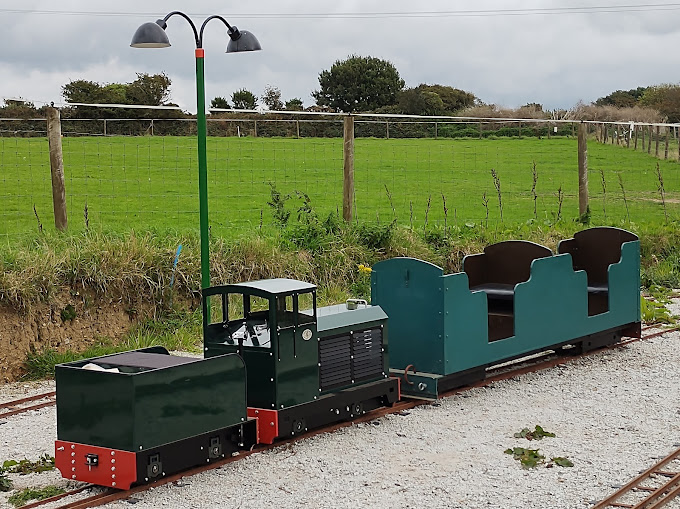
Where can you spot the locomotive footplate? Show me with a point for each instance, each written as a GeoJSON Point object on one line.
{"type": "Point", "coordinates": [122, 469]}
{"type": "Point", "coordinates": [430, 386]}
{"type": "Point", "coordinates": [328, 409]}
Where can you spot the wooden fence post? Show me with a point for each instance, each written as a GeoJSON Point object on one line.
{"type": "Point", "coordinates": [582, 170]}
{"type": "Point", "coordinates": [348, 169]}
{"type": "Point", "coordinates": [649, 145]}
{"type": "Point", "coordinates": [57, 168]}
{"type": "Point", "coordinates": [668, 135]}
{"type": "Point", "coordinates": [635, 129]}
{"type": "Point", "coordinates": [656, 145]}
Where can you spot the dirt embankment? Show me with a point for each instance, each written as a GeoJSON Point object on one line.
{"type": "Point", "coordinates": [70, 321]}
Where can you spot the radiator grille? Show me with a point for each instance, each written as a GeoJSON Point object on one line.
{"type": "Point", "coordinates": [350, 358]}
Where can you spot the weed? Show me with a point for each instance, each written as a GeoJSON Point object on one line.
{"type": "Point", "coordinates": [485, 202]}
{"type": "Point", "coordinates": [427, 212]}
{"type": "Point", "coordinates": [27, 494]}
{"type": "Point", "coordinates": [654, 312]}
{"type": "Point", "coordinates": [497, 185]}
{"type": "Point", "coordinates": [375, 236]}
{"type": "Point", "coordinates": [305, 213]}
{"type": "Point", "coordinates": [446, 214]}
{"type": "Point", "coordinates": [561, 461]}
{"type": "Point", "coordinates": [662, 190]}
{"type": "Point", "coordinates": [529, 458]}
{"type": "Point", "coordinates": [537, 434]}
{"type": "Point", "coordinates": [623, 193]}
{"type": "Point", "coordinates": [68, 313]}
{"type": "Point", "coordinates": [604, 195]}
{"type": "Point", "coordinates": [560, 201]}
{"type": "Point", "coordinates": [37, 218]}
{"type": "Point", "coordinates": [25, 466]}
{"type": "Point", "coordinates": [361, 287]}
{"type": "Point", "coordinates": [277, 202]}
{"type": "Point", "coordinates": [6, 483]}
{"type": "Point", "coordinates": [389, 197]}
{"type": "Point", "coordinates": [534, 174]}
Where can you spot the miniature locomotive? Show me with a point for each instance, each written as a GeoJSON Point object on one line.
{"type": "Point", "coordinates": [277, 366]}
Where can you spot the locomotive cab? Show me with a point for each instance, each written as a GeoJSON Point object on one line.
{"type": "Point", "coordinates": [305, 367]}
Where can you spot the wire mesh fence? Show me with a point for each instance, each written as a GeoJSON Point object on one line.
{"type": "Point", "coordinates": [142, 174]}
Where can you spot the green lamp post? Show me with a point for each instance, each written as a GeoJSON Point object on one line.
{"type": "Point", "coordinates": [152, 35]}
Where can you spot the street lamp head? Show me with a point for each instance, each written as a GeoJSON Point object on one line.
{"type": "Point", "coordinates": [241, 40]}
{"type": "Point", "coordinates": [151, 35]}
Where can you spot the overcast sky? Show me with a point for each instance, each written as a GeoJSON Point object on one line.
{"type": "Point", "coordinates": [507, 52]}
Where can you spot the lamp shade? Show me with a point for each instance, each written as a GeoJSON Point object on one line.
{"type": "Point", "coordinates": [151, 35]}
{"type": "Point", "coordinates": [242, 40]}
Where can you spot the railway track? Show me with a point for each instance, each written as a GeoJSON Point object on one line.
{"type": "Point", "coordinates": [22, 405]}
{"type": "Point", "coordinates": [494, 374]}
{"type": "Point", "coordinates": [653, 488]}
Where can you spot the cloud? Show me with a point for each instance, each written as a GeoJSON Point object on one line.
{"type": "Point", "coordinates": [510, 60]}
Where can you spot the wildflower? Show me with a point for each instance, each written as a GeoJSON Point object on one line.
{"type": "Point", "coordinates": [364, 269]}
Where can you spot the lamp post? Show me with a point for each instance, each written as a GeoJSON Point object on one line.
{"type": "Point", "coordinates": [152, 35]}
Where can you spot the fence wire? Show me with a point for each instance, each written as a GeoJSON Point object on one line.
{"type": "Point", "coordinates": [142, 174]}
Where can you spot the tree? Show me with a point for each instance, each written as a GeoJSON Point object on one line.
{"type": "Point", "coordinates": [149, 89]}
{"type": "Point", "coordinates": [18, 108]}
{"type": "Point", "coordinates": [220, 102]}
{"type": "Point", "coordinates": [454, 99]}
{"type": "Point", "coordinates": [434, 100]}
{"type": "Point", "coordinates": [244, 100]}
{"type": "Point", "coordinates": [272, 98]}
{"type": "Point", "coordinates": [294, 104]}
{"type": "Point", "coordinates": [82, 91]}
{"type": "Point", "coordinates": [664, 98]}
{"type": "Point", "coordinates": [359, 84]}
{"type": "Point", "coordinates": [414, 101]}
{"type": "Point", "coordinates": [622, 98]}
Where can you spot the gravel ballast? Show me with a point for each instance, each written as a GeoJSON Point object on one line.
{"type": "Point", "coordinates": [614, 414]}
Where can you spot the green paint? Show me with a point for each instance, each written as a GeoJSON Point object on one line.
{"type": "Point", "coordinates": [202, 172]}
{"type": "Point", "coordinates": [439, 327]}
{"type": "Point", "coordinates": [140, 409]}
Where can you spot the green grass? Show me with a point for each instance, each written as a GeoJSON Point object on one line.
{"type": "Point", "coordinates": [142, 183]}
{"type": "Point", "coordinates": [24, 496]}
{"type": "Point", "coordinates": [130, 267]}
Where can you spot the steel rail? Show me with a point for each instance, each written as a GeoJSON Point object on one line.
{"type": "Point", "coordinates": [397, 408]}
{"type": "Point", "coordinates": [10, 405]}
{"type": "Point", "coordinates": [657, 497]}
{"type": "Point", "coordinates": [502, 373]}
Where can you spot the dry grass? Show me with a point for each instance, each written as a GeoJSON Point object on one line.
{"type": "Point", "coordinates": [136, 267]}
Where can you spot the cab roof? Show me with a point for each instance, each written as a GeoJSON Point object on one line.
{"type": "Point", "coordinates": [278, 286]}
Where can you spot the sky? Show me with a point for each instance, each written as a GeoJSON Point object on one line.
{"type": "Point", "coordinates": [506, 52]}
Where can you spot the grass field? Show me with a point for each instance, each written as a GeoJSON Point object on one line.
{"type": "Point", "coordinates": [151, 182]}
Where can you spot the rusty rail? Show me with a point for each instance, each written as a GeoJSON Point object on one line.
{"type": "Point", "coordinates": [646, 496]}
{"type": "Point", "coordinates": [9, 408]}
{"type": "Point", "coordinates": [494, 375]}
